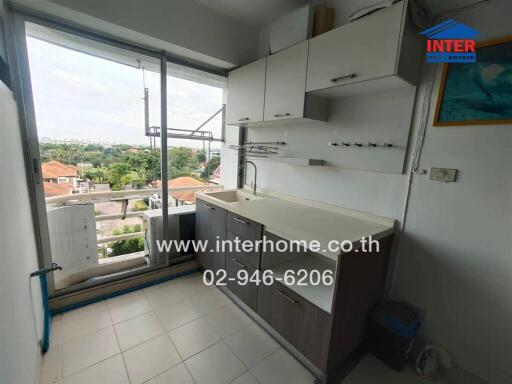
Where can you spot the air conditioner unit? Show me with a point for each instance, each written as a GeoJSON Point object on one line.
{"type": "Point", "coordinates": [181, 227]}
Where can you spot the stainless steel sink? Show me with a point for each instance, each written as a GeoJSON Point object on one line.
{"type": "Point", "coordinates": [233, 196]}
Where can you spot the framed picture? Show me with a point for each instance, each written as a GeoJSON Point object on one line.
{"type": "Point", "coordinates": [478, 93]}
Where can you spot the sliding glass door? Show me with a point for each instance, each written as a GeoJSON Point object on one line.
{"type": "Point", "coordinates": [97, 172]}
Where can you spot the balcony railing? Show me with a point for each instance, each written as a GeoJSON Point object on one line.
{"type": "Point", "coordinates": [119, 196]}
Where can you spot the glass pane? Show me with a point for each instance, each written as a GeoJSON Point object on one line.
{"type": "Point", "coordinates": [195, 110]}
{"type": "Point", "coordinates": [100, 168]}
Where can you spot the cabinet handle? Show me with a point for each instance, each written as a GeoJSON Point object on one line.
{"type": "Point", "coordinates": [240, 220]}
{"type": "Point", "coordinates": [345, 77]}
{"type": "Point", "coordinates": [293, 301]}
{"type": "Point", "coordinates": [281, 114]}
{"type": "Point", "coordinates": [240, 265]}
{"type": "Point", "coordinates": [244, 119]}
{"type": "Point", "coordinates": [209, 206]}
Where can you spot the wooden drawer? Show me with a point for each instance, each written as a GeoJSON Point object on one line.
{"type": "Point", "coordinates": [245, 229]}
{"type": "Point", "coordinates": [303, 324]}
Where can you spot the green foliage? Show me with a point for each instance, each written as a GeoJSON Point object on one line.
{"type": "Point", "coordinates": [201, 157]}
{"type": "Point", "coordinates": [118, 175]}
{"type": "Point", "coordinates": [123, 247]}
{"type": "Point", "coordinates": [182, 162]}
{"type": "Point", "coordinates": [140, 205]}
{"type": "Point", "coordinates": [120, 165]}
{"type": "Point", "coordinates": [98, 175]}
{"type": "Point", "coordinates": [210, 167]}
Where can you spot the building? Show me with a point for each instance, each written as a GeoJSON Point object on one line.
{"type": "Point", "coordinates": [56, 172]}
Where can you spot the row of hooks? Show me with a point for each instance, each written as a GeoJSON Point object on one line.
{"type": "Point", "coordinates": [356, 144]}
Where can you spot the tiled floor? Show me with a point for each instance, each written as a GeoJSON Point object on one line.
{"type": "Point", "coordinates": [178, 332]}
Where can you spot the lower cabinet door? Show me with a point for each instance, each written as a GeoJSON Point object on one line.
{"type": "Point", "coordinates": [301, 323]}
{"type": "Point", "coordinates": [240, 285]}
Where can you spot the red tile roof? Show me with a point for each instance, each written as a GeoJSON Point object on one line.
{"type": "Point", "coordinates": [54, 189]}
{"type": "Point", "coordinates": [54, 169]}
{"type": "Point", "coordinates": [184, 181]}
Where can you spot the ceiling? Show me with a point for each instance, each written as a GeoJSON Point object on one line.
{"type": "Point", "coordinates": [255, 13]}
{"type": "Point", "coordinates": [436, 7]}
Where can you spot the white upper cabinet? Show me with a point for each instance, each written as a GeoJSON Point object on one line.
{"type": "Point", "coordinates": [285, 85]}
{"type": "Point", "coordinates": [246, 93]}
{"type": "Point", "coordinates": [365, 49]}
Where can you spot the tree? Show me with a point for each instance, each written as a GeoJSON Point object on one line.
{"type": "Point", "coordinates": [98, 175]}
{"type": "Point", "coordinates": [201, 157]}
{"type": "Point", "coordinates": [182, 161]}
{"type": "Point", "coordinates": [122, 247]}
{"type": "Point", "coordinates": [116, 173]}
{"type": "Point", "coordinates": [210, 167]}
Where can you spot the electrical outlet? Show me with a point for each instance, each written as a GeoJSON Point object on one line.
{"type": "Point", "coordinates": [445, 175]}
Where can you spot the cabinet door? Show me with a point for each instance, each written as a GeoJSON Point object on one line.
{"type": "Point", "coordinates": [202, 231]}
{"type": "Point", "coordinates": [301, 323]}
{"type": "Point", "coordinates": [361, 50]}
{"type": "Point", "coordinates": [248, 293]}
{"type": "Point", "coordinates": [246, 93]}
{"type": "Point", "coordinates": [210, 227]}
{"type": "Point", "coordinates": [285, 83]}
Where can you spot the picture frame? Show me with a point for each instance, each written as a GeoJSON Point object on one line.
{"type": "Point", "coordinates": [477, 93]}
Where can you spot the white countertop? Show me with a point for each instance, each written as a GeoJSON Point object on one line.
{"type": "Point", "coordinates": [293, 219]}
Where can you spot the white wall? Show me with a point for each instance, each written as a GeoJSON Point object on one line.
{"type": "Point", "coordinates": [183, 27]}
{"type": "Point", "coordinates": [20, 296]}
{"type": "Point", "coordinates": [454, 259]}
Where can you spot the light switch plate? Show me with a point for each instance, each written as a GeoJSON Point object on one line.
{"type": "Point", "coordinates": [446, 175]}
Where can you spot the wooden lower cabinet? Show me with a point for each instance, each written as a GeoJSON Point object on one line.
{"type": "Point", "coordinates": [330, 341]}
{"type": "Point", "coordinates": [210, 226]}
{"type": "Point", "coordinates": [301, 323]}
{"type": "Point", "coordinates": [248, 293]}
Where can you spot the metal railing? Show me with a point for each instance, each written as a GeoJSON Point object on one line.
{"type": "Point", "coordinates": [120, 196]}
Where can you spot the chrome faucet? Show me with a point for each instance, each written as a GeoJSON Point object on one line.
{"type": "Point", "coordinates": [255, 173]}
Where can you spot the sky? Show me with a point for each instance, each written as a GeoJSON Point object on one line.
{"type": "Point", "coordinates": [83, 97]}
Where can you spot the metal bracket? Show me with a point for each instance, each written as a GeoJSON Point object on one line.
{"type": "Point", "coordinates": [45, 271]}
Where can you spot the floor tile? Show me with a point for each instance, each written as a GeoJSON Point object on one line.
{"type": "Point", "coordinates": [215, 365]}
{"type": "Point", "coordinates": [193, 285]}
{"type": "Point", "coordinates": [177, 314]}
{"type": "Point", "coordinates": [251, 345]}
{"type": "Point", "coordinates": [110, 371]}
{"type": "Point", "coordinates": [176, 375]}
{"type": "Point", "coordinates": [56, 331]}
{"type": "Point", "coordinates": [51, 366]}
{"type": "Point", "coordinates": [128, 306]}
{"type": "Point", "coordinates": [88, 350]}
{"type": "Point", "coordinates": [148, 360]}
{"type": "Point", "coordinates": [193, 337]}
{"type": "Point", "coordinates": [209, 301]}
{"type": "Point", "coordinates": [133, 332]}
{"type": "Point", "coordinates": [246, 378]}
{"type": "Point", "coordinates": [280, 368]}
{"type": "Point", "coordinates": [228, 320]}
{"type": "Point", "coordinates": [164, 295]}
{"type": "Point", "coordinates": [85, 320]}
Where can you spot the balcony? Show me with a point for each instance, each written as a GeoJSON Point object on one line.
{"type": "Point", "coordinates": [89, 232]}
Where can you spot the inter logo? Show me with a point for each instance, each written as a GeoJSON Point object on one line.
{"type": "Point", "coordinates": [450, 42]}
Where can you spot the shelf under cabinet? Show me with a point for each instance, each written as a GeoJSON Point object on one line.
{"type": "Point", "coordinates": [319, 295]}
{"type": "Point", "coordinates": [291, 160]}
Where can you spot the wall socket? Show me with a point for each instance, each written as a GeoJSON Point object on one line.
{"type": "Point", "coordinates": [446, 175]}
